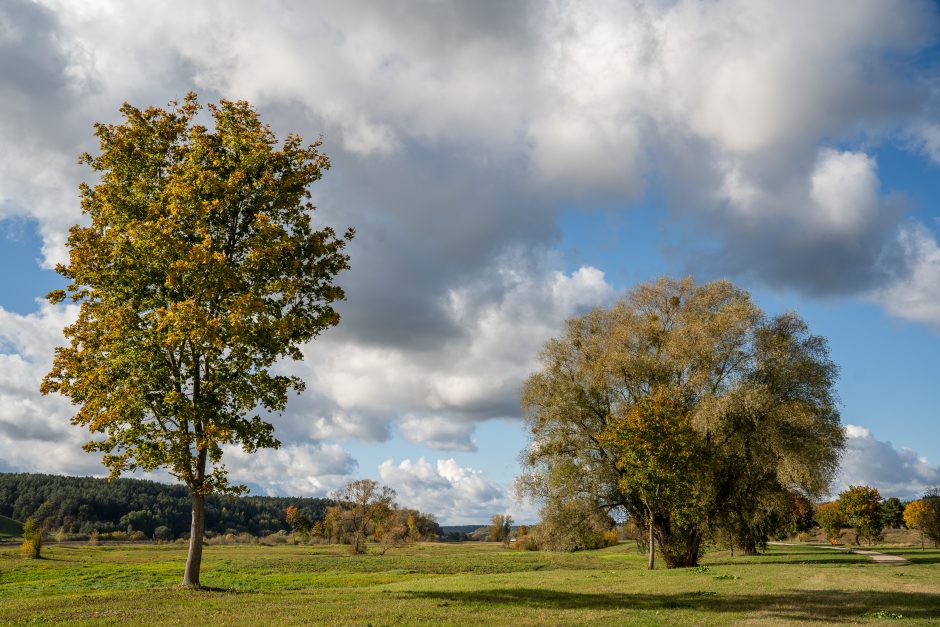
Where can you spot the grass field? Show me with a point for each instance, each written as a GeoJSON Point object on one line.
{"type": "Point", "coordinates": [471, 583]}
{"type": "Point", "coordinates": [9, 528]}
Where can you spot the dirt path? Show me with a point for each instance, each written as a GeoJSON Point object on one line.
{"type": "Point", "coordinates": [875, 556]}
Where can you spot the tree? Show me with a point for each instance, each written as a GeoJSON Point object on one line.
{"type": "Point", "coordinates": [861, 506]}
{"type": "Point", "coordinates": [298, 521]}
{"type": "Point", "coordinates": [572, 525]}
{"type": "Point", "coordinates": [926, 516]}
{"type": "Point", "coordinates": [364, 503]}
{"type": "Point", "coordinates": [916, 516]}
{"type": "Point", "coordinates": [163, 534]}
{"type": "Point", "coordinates": [500, 528]}
{"type": "Point", "coordinates": [199, 270]}
{"type": "Point", "coordinates": [831, 520]}
{"type": "Point", "coordinates": [686, 407]}
{"type": "Point", "coordinates": [892, 511]}
{"type": "Point", "coordinates": [32, 538]}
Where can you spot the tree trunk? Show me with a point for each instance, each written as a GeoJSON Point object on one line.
{"type": "Point", "coordinates": [679, 546]}
{"type": "Point", "coordinates": [749, 547]}
{"type": "Point", "coordinates": [197, 530]}
{"type": "Point", "coordinates": [652, 560]}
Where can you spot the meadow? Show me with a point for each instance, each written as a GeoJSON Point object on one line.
{"type": "Point", "coordinates": [465, 583]}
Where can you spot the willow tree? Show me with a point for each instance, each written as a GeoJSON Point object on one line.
{"type": "Point", "coordinates": [687, 407]}
{"type": "Point", "coordinates": [199, 269]}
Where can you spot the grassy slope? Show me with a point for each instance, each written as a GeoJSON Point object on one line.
{"type": "Point", "coordinates": [9, 528]}
{"type": "Point", "coordinates": [460, 584]}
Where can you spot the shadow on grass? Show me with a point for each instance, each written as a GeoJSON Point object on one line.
{"type": "Point", "coordinates": [833, 606]}
{"type": "Point", "coordinates": [860, 560]}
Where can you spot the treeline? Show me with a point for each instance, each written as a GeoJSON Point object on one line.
{"type": "Point", "coordinates": [82, 505]}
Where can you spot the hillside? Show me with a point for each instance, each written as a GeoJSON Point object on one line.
{"type": "Point", "coordinates": [85, 504]}
{"type": "Point", "coordinates": [9, 528]}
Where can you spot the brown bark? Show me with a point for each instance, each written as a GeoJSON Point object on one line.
{"type": "Point", "coordinates": [197, 530]}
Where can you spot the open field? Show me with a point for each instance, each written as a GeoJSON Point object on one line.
{"type": "Point", "coordinates": [471, 583]}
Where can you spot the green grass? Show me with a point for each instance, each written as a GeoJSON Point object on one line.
{"type": "Point", "coordinates": [9, 528]}
{"type": "Point", "coordinates": [467, 584]}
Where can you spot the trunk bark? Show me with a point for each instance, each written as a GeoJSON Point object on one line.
{"type": "Point", "coordinates": [679, 547]}
{"type": "Point", "coordinates": [749, 547]}
{"type": "Point", "coordinates": [197, 530]}
{"type": "Point", "coordinates": [652, 561]}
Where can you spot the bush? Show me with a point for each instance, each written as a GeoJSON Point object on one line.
{"type": "Point", "coordinates": [32, 539]}
{"type": "Point", "coordinates": [162, 534]}
{"type": "Point", "coordinates": [93, 538]}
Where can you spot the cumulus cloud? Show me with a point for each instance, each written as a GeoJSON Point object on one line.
{"type": "Point", "coordinates": [436, 394]}
{"type": "Point", "coordinates": [915, 292]}
{"type": "Point", "coordinates": [294, 469]}
{"type": "Point", "coordinates": [457, 495]}
{"type": "Point", "coordinates": [34, 430]}
{"type": "Point", "coordinates": [895, 472]}
{"type": "Point", "coordinates": [459, 132]}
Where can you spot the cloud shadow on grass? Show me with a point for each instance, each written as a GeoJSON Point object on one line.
{"type": "Point", "coordinates": [831, 606]}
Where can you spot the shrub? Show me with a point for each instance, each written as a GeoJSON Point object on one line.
{"type": "Point", "coordinates": [162, 534]}
{"type": "Point", "coordinates": [32, 539]}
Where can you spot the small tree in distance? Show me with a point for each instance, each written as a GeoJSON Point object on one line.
{"type": "Point", "coordinates": [199, 270]}
{"type": "Point", "coordinates": [364, 503]}
{"type": "Point", "coordinates": [32, 539]}
{"type": "Point", "coordinates": [297, 521]}
{"type": "Point", "coordinates": [500, 528]}
{"type": "Point", "coordinates": [862, 508]}
{"type": "Point", "coordinates": [831, 520]}
{"type": "Point", "coordinates": [916, 515]}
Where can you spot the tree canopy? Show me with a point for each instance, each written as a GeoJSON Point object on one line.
{"type": "Point", "coordinates": [199, 270]}
{"type": "Point", "coordinates": [688, 408]}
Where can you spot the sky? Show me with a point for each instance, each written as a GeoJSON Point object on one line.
{"type": "Point", "coordinates": [508, 166]}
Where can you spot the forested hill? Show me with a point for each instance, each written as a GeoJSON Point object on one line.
{"type": "Point", "coordinates": [86, 504]}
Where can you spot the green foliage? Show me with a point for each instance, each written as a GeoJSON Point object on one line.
{"type": "Point", "coordinates": [686, 406]}
{"type": "Point", "coordinates": [163, 534]}
{"type": "Point", "coordinates": [32, 539]}
{"type": "Point", "coordinates": [500, 528]}
{"type": "Point", "coordinates": [363, 504]}
{"type": "Point", "coordinates": [84, 504]}
{"type": "Point", "coordinates": [861, 506]}
{"type": "Point", "coordinates": [831, 520]}
{"type": "Point", "coordinates": [572, 525]}
{"type": "Point", "coordinates": [892, 513]}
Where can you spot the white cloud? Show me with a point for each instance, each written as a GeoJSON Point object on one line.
{"type": "Point", "coordinates": [457, 495]}
{"type": "Point", "coordinates": [895, 472]}
{"type": "Point", "coordinates": [436, 394]}
{"type": "Point", "coordinates": [458, 132]}
{"type": "Point", "coordinates": [35, 432]}
{"type": "Point", "coordinates": [915, 294]}
{"type": "Point", "coordinates": [293, 469]}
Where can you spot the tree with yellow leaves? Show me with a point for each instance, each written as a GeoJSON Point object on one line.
{"type": "Point", "coordinates": [199, 269]}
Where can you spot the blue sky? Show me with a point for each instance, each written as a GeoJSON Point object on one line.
{"type": "Point", "coordinates": [508, 166]}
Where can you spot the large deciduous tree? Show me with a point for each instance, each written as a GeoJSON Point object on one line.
{"type": "Point", "coordinates": [199, 270]}
{"type": "Point", "coordinates": [687, 407]}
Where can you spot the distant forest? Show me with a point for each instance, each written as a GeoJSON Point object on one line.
{"type": "Point", "coordinates": [86, 504]}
